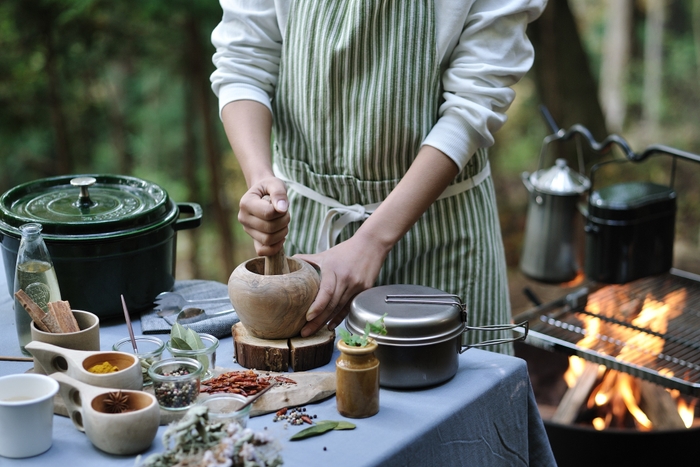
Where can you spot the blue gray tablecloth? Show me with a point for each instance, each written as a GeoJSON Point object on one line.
{"type": "Point", "coordinates": [485, 416]}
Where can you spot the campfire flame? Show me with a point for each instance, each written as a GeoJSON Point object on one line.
{"type": "Point", "coordinates": [618, 394]}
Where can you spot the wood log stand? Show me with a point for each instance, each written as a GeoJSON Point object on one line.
{"type": "Point", "coordinates": [297, 353]}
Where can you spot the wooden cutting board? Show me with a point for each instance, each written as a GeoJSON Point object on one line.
{"type": "Point", "coordinates": [310, 387]}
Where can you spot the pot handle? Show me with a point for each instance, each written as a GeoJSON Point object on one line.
{"type": "Point", "coordinates": [525, 177]}
{"type": "Point", "coordinates": [190, 222]}
{"type": "Point", "coordinates": [525, 325]}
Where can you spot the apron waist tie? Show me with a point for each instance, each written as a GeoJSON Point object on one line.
{"type": "Point", "coordinates": [339, 215]}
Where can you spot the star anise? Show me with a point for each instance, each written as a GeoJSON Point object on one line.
{"type": "Point", "coordinates": [116, 402]}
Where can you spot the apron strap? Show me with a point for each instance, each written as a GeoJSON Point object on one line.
{"type": "Point", "coordinates": [339, 215]}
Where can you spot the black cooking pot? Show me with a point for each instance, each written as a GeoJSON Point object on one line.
{"type": "Point", "coordinates": [630, 230]}
{"type": "Point", "coordinates": [108, 235]}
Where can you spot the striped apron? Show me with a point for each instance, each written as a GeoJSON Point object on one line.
{"type": "Point", "coordinates": [358, 91]}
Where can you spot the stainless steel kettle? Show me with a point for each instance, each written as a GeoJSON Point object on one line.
{"type": "Point", "coordinates": [549, 251]}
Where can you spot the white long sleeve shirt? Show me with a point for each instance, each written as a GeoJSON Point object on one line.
{"type": "Point", "coordinates": [482, 48]}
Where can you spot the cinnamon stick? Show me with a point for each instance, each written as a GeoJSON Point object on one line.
{"type": "Point", "coordinates": [34, 310]}
{"type": "Point", "coordinates": [63, 316]}
{"type": "Point", "coordinates": [50, 322]}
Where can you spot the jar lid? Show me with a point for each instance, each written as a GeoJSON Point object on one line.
{"type": "Point", "coordinates": [559, 180]}
{"type": "Point", "coordinates": [429, 316]}
{"type": "Point", "coordinates": [85, 204]}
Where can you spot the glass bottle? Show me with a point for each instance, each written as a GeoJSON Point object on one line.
{"type": "Point", "coordinates": [35, 275]}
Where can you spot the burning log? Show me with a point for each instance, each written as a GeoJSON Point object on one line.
{"type": "Point", "coordinates": [574, 398]}
{"type": "Point", "coordinates": [659, 406]}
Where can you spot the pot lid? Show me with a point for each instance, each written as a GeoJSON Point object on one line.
{"type": "Point", "coordinates": [559, 180]}
{"type": "Point", "coordinates": [631, 201]}
{"type": "Point", "coordinates": [85, 204]}
{"type": "Point", "coordinates": [415, 315]}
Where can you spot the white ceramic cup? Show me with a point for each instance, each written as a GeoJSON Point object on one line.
{"type": "Point", "coordinates": [26, 414]}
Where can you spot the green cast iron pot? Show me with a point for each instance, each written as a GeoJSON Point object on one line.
{"type": "Point", "coordinates": [108, 235]}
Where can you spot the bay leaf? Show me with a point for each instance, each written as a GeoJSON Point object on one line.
{"type": "Point", "coordinates": [314, 430]}
{"type": "Point", "coordinates": [340, 425]}
{"type": "Point", "coordinates": [179, 343]}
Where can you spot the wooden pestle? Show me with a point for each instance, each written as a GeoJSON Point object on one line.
{"type": "Point", "coordinates": [276, 264]}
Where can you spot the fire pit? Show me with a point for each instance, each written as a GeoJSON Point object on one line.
{"type": "Point", "coordinates": [647, 331]}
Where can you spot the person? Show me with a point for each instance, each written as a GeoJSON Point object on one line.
{"type": "Point", "coordinates": [367, 124]}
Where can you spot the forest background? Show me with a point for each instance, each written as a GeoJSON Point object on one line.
{"type": "Point", "coordinates": [98, 86]}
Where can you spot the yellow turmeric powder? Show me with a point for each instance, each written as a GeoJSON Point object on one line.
{"type": "Point", "coordinates": [105, 367]}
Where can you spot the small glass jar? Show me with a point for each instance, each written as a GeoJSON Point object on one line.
{"type": "Point", "coordinates": [206, 356]}
{"type": "Point", "coordinates": [224, 408]}
{"type": "Point", "coordinates": [176, 382]}
{"type": "Point", "coordinates": [150, 350]}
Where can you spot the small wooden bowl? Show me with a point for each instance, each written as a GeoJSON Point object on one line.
{"type": "Point", "coordinates": [273, 306]}
{"type": "Point", "coordinates": [126, 433]}
{"type": "Point", "coordinates": [76, 363]}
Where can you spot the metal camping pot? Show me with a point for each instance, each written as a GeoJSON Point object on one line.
{"type": "Point", "coordinates": [549, 252]}
{"type": "Point", "coordinates": [424, 333]}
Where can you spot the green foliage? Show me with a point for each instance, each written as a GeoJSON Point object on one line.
{"type": "Point", "coordinates": [378, 327]}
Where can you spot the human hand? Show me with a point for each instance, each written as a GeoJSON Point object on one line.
{"type": "Point", "coordinates": [264, 215]}
{"type": "Point", "coordinates": [346, 270]}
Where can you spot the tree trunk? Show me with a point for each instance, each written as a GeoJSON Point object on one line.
{"type": "Point", "coordinates": [653, 67]}
{"type": "Point", "coordinates": [190, 169]}
{"type": "Point", "coordinates": [116, 76]}
{"type": "Point", "coordinates": [222, 211]}
{"type": "Point", "coordinates": [695, 12]}
{"type": "Point", "coordinates": [63, 163]}
{"type": "Point", "coordinates": [616, 54]}
{"type": "Point", "coordinates": [563, 77]}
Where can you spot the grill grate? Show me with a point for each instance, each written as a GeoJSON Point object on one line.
{"type": "Point", "coordinates": [649, 328]}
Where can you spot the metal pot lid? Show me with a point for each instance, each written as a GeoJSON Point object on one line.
{"type": "Point", "coordinates": [85, 204]}
{"type": "Point", "coordinates": [559, 180]}
{"type": "Point", "coordinates": [411, 321]}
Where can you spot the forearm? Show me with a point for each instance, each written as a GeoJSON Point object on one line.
{"type": "Point", "coordinates": [248, 126]}
{"type": "Point", "coordinates": [429, 175]}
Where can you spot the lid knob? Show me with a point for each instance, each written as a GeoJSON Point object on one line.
{"type": "Point", "coordinates": [84, 198]}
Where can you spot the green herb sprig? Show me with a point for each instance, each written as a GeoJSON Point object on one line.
{"type": "Point", "coordinates": [378, 327]}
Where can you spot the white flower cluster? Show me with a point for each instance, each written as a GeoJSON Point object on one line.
{"type": "Point", "coordinates": [196, 442]}
{"type": "Point", "coordinates": [243, 447]}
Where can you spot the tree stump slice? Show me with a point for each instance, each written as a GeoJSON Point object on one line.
{"type": "Point", "coordinates": [311, 352]}
{"type": "Point", "coordinates": [297, 353]}
{"type": "Point", "coordinates": [260, 354]}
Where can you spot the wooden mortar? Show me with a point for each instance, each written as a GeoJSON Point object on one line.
{"type": "Point", "coordinates": [272, 295]}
